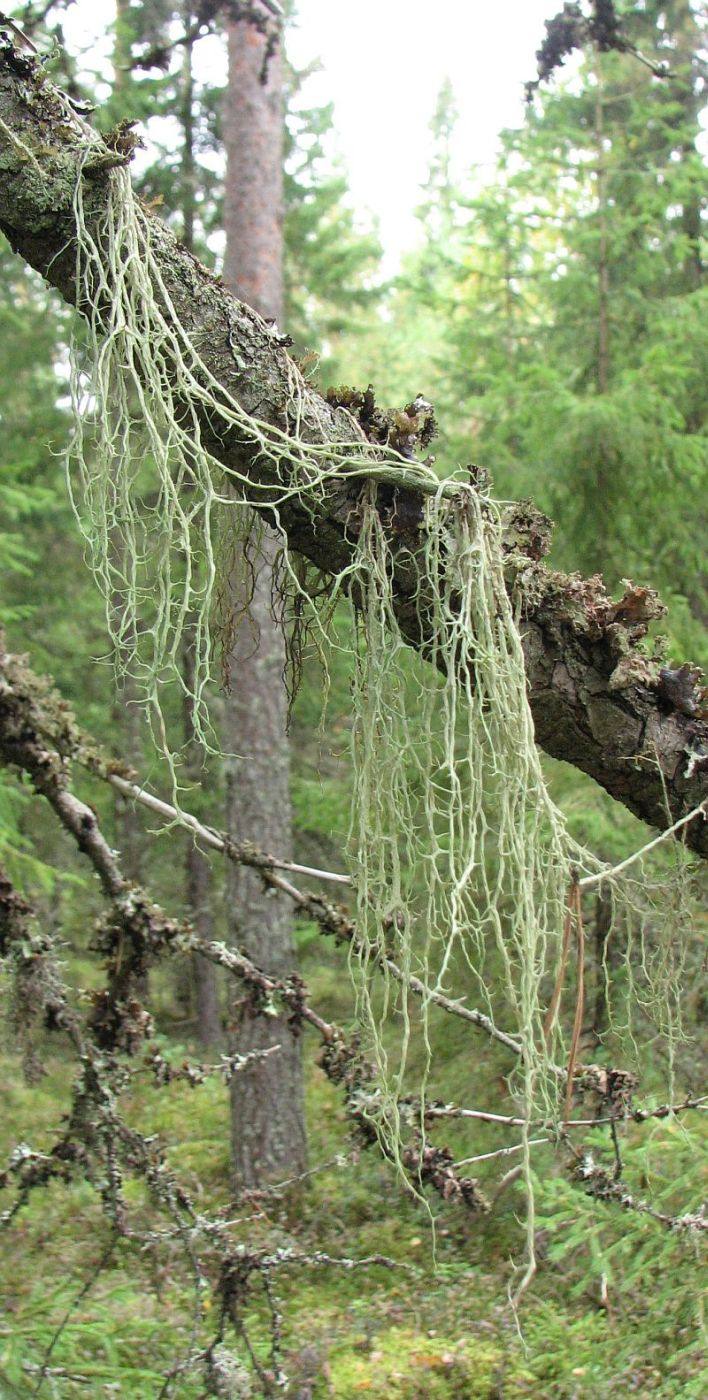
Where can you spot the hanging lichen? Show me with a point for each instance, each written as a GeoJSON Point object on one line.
{"type": "Point", "coordinates": [147, 492]}
{"type": "Point", "coordinates": [456, 850]}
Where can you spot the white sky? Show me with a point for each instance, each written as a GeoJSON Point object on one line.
{"type": "Point", "coordinates": [383, 63]}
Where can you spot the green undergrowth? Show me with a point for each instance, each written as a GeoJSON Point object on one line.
{"type": "Point", "coordinates": [432, 1328]}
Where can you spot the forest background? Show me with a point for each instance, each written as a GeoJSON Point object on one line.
{"type": "Point", "coordinates": [555, 314]}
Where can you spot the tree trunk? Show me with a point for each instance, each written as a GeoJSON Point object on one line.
{"type": "Point", "coordinates": [267, 1109]}
{"type": "Point", "coordinates": [204, 991]}
{"type": "Point", "coordinates": [603, 268]}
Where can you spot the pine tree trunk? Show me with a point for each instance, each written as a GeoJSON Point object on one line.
{"type": "Point", "coordinates": [688, 92]}
{"type": "Point", "coordinates": [267, 1114]}
{"type": "Point", "coordinates": [203, 994]}
{"type": "Point", "coordinates": [603, 269]}
{"type": "Point", "coordinates": [602, 482]}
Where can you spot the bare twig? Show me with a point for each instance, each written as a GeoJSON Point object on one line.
{"type": "Point", "coordinates": [96, 1272]}
{"type": "Point", "coordinates": [330, 920]}
{"type": "Point", "coordinates": [450, 1111]}
{"type": "Point", "coordinates": [635, 1115]}
{"type": "Point", "coordinates": [501, 1152]}
{"type": "Point", "coordinates": [334, 921]}
{"type": "Point", "coordinates": [18, 34]}
{"type": "Point", "coordinates": [603, 1185]}
{"type": "Point", "coordinates": [290, 990]}
{"type": "Point", "coordinates": [242, 852]}
{"type": "Point", "coordinates": [38, 734]}
{"type": "Point", "coordinates": [609, 873]}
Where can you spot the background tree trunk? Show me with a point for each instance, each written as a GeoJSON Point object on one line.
{"type": "Point", "coordinates": [199, 886]}
{"type": "Point", "coordinates": [199, 891]}
{"type": "Point", "coordinates": [267, 1114]}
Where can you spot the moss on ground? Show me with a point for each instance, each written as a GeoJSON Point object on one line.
{"type": "Point", "coordinates": [432, 1329]}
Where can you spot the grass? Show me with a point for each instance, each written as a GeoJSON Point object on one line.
{"type": "Point", "coordinates": [434, 1329]}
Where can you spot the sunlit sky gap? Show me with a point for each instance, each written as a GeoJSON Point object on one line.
{"type": "Point", "coordinates": [383, 63]}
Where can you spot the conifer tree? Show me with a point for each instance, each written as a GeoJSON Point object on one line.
{"type": "Point", "coordinates": [579, 319]}
{"type": "Point", "coordinates": [268, 1140]}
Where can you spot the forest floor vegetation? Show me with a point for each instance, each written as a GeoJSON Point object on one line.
{"type": "Point", "coordinates": [612, 1312]}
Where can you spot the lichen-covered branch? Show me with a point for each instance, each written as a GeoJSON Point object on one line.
{"type": "Point", "coordinates": [98, 1145]}
{"type": "Point", "coordinates": [330, 919]}
{"type": "Point", "coordinates": [637, 725]}
{"type": "Point", "coordinates": [597, 1181]}
{"type": "Point", "coordinates": [38, 994]}
{"type": "Point", "coordinates": [39, 735]}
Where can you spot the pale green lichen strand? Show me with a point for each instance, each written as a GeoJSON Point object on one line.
{"type": "Point", "coordinates": [458, 854]}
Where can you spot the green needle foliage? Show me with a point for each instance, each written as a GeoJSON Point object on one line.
{"type": "Point", "coordinates": [568, 308]}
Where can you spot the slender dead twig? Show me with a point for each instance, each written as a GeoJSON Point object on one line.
{"type": "Point", "coordinates": [588, 881]}
{"type": "Point", "coordinates": [88, 1284]}
{"type": "Point", "coordinates": [330, 920]}
{"type": "Point", "coordinates": [501, 1152]}
{"type": "Point", "coordinates": [242, 852]}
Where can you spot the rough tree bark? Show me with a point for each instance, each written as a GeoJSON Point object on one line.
{"type": "Point", "coordinates": [597, 701]}
{"type": "Point", "coordinates": [268, 1140]}
{"type": "Point", "coordinates": [199, 886]}
{"type": "Point", "coordinates": [198, 879]}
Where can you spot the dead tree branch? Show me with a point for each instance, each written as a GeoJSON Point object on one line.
{"type": "Point", "coordinates": [39, 736]}
{"type": "Point", "coordinates": [598, 701]}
